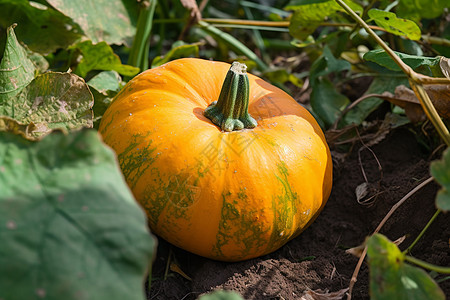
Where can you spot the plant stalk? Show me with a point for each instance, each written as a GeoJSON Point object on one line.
{"type": "Point", "coordinates": [233, 43]}
{"type": "Point", "coordinates": [428, 266]}
{"type": "Point", "coordinates": [408, 250]}
{"type": "Point", "coordinates": [141, 44]}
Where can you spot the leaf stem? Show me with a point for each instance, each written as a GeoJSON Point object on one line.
{"type": "Point", "coordinates": [428, 266]}
{"type": "Point", "coordinates": [423, 231]}
{"type": "Point", "coordinates": [141, 44]}
{"type": "Point", "coordinates": [429, 39]}
{"type": "Point", "coordinates": [234, 44]}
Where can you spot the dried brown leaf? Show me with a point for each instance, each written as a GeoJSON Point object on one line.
{"type": "Point", "coordinates": [192, 6]}
{"type": "Point", "coordinates": [175, 268]}
{"type": "Point", "coordinates": [362, 191]}
{"type": "Point", "coordinates": [323, 295]}
{"type": "Point", "coordinates": [405, 98]}
{"type": "Point", "coordinates": [445, 66]}
{"type": "Point", "coordinates": [356, 251]}
{"type": "Point", "coordinates": [399, 240]}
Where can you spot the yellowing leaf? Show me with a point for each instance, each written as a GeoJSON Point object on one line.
{"type": "Point", "coordinates": [392, 278]}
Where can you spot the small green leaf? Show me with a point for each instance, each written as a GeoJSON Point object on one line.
{"type": "Point", "coordinates": [41, 28]}
{"type": "Point", "coordinates": [179, 49]}
{"type": "Point", "coordinates": [308, 15]}
{"type": "Point", "coordinates": [70, 227]}
{"type": "Point", "coordinates": [421, 9]}
{"type": "Point", "coordinates": [428, 65]}
{"type": "Point", "coordinates": [16, 71]}
{"type": "Point", "coordinates": [391, 278]}
{"type": "Point", "coordinates": [327, 64]}
{"type": "Point", "coordinates": [104, 86]}
{"type": "Point", "coordinates": [440, 169]}
{"type": "Point", "coordinates": [58, 100]}
{"type": "Point", "coordinates": [38, 60]}
{"type": "Point", "coordinates": [105, 81]}
{"type": "Point", "coordinates": [392, 24]}
{"type": "Point", "coordinates": [112, 21]}
{"type": "Point", "coordinates": [230, 41]}
{"type": "Point", "coordinates": [326, 102]}
{"type": "Point", "coordinates": [101, 57]}
{"type": "Point", "coordinates": [221, 295]}
{"type": "Point", "coordinates": [281, 76]}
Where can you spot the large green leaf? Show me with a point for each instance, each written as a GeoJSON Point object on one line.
{"type": "Point", "coordinates": [309, 14]}
{"type": "Point", "coordinates": [418, 9]}
{"type": "Point", "coordinates": [70, 228]}
{"type": "Point", "coordinates": [326, 102]}
{"type": "Point", "coordinates": [426, 65]}
{"type": "Point", "coordinates": [105, 81]}
{"type": "Point", "coordinates": [440, 170]}
{"type": "Point", "coordinates": [16, 71]}
{"type": "Point", "coordinates": [391, 278]}
{"type": "Point", "coordinates": [101, 57]}
{"type": "Point", "coordinates": [56, 100]}
{"type": "Point", "coordinates": [392, 24]}
{"type": "Point", "coordinates": [112, 21]}
{"type": "Point", "coordinates": [41, 28]}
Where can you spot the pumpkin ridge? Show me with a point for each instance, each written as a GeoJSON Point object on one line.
{"type": "Point", "coordinates": [183, 82]}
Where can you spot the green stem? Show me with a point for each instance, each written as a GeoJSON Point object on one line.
{"type": "Point", "coordinates": [233, 43]}
{"type": "Point", "coordinates": [141, 44]}
{"type": "Point", "coordinates": [443, 279]}
{"type": "Point", "coordinates": [230, 111]}
{"type": "Point", "coordinates": [423, 231]}
{"type": "Point", "coordinates": [428, 266]}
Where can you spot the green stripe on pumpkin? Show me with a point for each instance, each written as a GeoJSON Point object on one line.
{"type": "Point", "coordinates": [239, 227]}
{"type": "Point", "coordinates": [135, 161]}
{"type": "Point", "coordinates": [284, 207]}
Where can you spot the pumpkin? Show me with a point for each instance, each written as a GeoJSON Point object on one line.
{"type": "Point", "coordinates": [226, 165]}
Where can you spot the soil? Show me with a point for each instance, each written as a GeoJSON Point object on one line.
{"type": "Point", "coordinates": [317, 259]}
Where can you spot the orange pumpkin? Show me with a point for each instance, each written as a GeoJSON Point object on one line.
{"type": "Point", "coordinates": [231, 191]}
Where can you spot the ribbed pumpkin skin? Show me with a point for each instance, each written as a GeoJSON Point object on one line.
{"type": "Point", "coordinates": [224, 195]}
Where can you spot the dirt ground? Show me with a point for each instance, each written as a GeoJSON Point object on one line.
{"type": "Point", "coordinates": [317, 258]}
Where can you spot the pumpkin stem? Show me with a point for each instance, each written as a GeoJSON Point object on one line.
{"type": "Point", "coordinates": [230, 111]}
